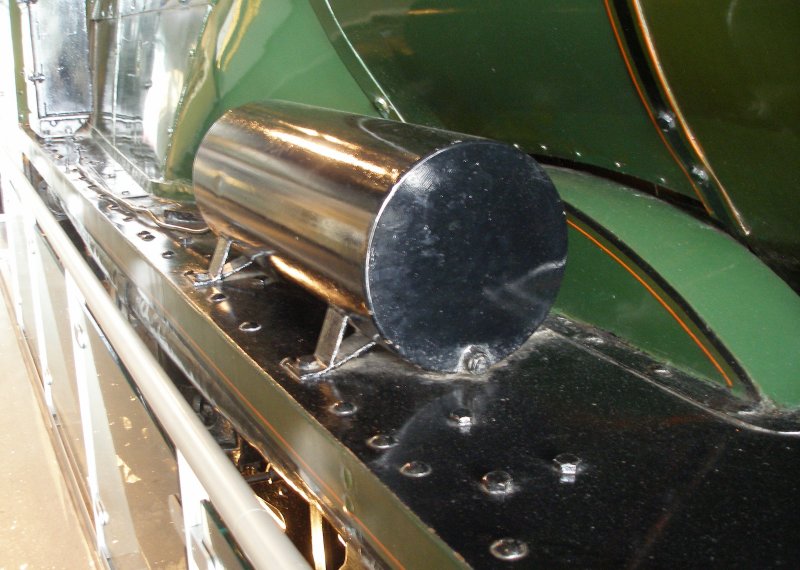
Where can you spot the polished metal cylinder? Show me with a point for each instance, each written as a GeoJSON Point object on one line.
{"type": "Point", "coordinates": [446, 248]}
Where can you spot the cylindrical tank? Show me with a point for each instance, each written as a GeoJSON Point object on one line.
{"type": "Point", "coordinates": [440, 245]}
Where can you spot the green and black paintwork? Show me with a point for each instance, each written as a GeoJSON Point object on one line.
{"type": "Point", "coordinates": [574, 83]}
{"type": "Point", "coordinates": [686, 101]}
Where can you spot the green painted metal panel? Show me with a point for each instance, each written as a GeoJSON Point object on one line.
{"type": "Point", "coordinates": [252, 51]}
{"type": "Point", "coordinates": [547, 75]}
{"type": "Point", "coordinates": [598, 289]}
{"type": "Point", "coordinates": [734, 69]}
{"type": "Point", "coordinates": [14, 23]}
{"type": "Point", "coordinates": [749, 309]}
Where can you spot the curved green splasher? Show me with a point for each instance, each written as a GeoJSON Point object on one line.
{"type": "Point", "coordinates": [255, 50]}
{"type": "Point", "coordinates": [739, 300]}
{"type": "Point", "coordinates": [250, 51]}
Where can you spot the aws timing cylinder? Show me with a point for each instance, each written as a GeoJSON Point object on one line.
{"type": "Point", "coordinates": [440, 245]}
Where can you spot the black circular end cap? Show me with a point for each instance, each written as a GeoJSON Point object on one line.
{"type": "Point", "coordinates": [466, 257]}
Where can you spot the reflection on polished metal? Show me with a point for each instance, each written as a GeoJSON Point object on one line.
{"type": "Point", "coordinates": [382, 441]}
{"type": "Point", "coordinates": [343, 408]}
{"type": "Point", "coordinates": [57, 66]}
{"type": "Point", "coordinates": [159, 211]}
{"type": "Point", "coordinates": [604, 412]}
{"type": "Point", "coordinates": [144, 53]}
{"type": "Point", "coordinates": [447, 249]}
{"type": "Point", "coordinates": [509, 549]}
{"type": "Point", "coordinates": [497, 483]}
{"type": "Point", "coordinates": [416, 469]}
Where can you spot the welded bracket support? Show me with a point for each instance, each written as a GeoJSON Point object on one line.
{"type": "Point", "coordinates": [334, 348]}
{"type": "Point", "coordinates": [219, 267]}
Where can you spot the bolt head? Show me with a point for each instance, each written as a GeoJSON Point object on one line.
{"type": "Point", "coordinates": [568, 466]}
{"type": "Point", "coordinates": [478, 363]}
{"type": "Point", "coordinates": [475, 360]}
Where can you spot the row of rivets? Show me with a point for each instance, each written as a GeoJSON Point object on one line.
{"type": "Point", "coordinates": [246, 326]}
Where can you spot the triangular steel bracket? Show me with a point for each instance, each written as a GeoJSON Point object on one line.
{"type": "Point", "coordinates": [333, 349]}
{"type": "Point", "coordinates": [219, 267]}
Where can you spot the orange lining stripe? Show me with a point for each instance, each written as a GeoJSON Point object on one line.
{"type": "Point", "coordinates": [687, 131]}
{"type": "Point", "coordinates": [657, 297]}
{"type": "Point", "coordinates": [649, 112]}
{"type": "Point", "coordinates": [286, 444]}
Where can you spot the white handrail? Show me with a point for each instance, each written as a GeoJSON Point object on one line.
{"type": "Point", "coordinates": [259, 537]}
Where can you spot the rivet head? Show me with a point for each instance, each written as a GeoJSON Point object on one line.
{"type": "Point", "coordinates": [146, 236]}
{"type": "Point", "coordinates": [416, 469]}
{"type": "Point", "coordinates": [497, 483]}
{"type": "Point", "coordinates": [382, 441]}
{"type": "Point", "coordinates": [382, 105]}
{"type": "Point", "coordinates": [662, 371]}
{"type": "Point", "coordinates": [217, 297]}
{"type": "Point", "coordinates": [343, 408]}
{"type": "Point", "coordinates": [666, 120]}
{"type": "Point", "coordinates": [509, 549]}
{"type": "Point", "coordinates": [700, 173]}
{"type": "Point", "coordinates": [168, 254]}
{"type": "Point", "coordinates": [250, 326]}
{"type": "Point", "coordinates": [567, 465]}
{"type": "Point", "coordinates": [461, 417]}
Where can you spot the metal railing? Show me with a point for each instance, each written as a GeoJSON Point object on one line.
{"type": "Point", "coordinates": [260, 538]}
